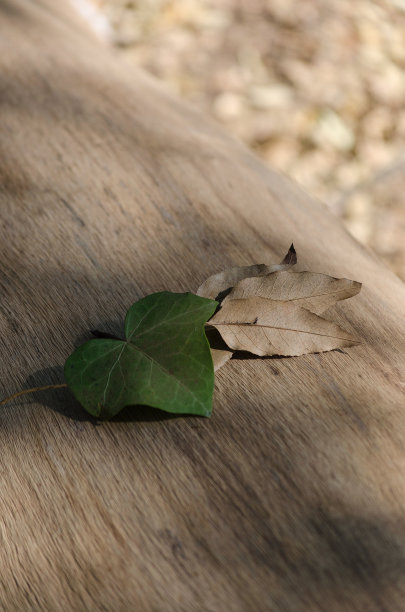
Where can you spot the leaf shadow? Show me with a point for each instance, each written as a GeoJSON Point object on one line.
{"type": "Point", "coordinates": [109, 328]}
{"type": "Point", "coordinates": [142, 414]}
{"type": "Point", "coordinates": [58, 400]}
{"type": "Point", "coordinates": [63, 402]}
{"type": "Point", "coordinates": [244, 355]}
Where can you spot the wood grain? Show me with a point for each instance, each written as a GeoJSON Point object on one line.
{"type": "Point", "coordinates": [292, 496]}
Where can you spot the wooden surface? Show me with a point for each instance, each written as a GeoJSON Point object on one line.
{"type": "Point", "coordinates": [292, 496]}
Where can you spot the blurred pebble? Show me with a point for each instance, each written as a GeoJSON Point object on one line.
{"type": "Point", "coordinates": [270, 96]}
{"type": "Point", "coordinates": [227, 105]}
{"type": "Point", "coordinates": [333, 131]}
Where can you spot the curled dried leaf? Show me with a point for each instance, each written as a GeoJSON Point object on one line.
{"type": "Point", "coordinates": [220, 357]}
{"type": "Point", "coordinates": [268, 327]}
{"type": "Point", "coordinates": [218, 285]}
{"type": "Point", "coordinates": [316, 292]}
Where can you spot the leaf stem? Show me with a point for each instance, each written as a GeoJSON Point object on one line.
{"type": "Point", "coordinates": [11, 397]}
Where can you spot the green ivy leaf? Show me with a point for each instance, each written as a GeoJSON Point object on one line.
{"type": "Point", "coordinates": [165, 361]}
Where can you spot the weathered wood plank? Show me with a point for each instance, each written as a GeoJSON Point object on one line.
{"type": "Point", "coordinates": [292, 496]}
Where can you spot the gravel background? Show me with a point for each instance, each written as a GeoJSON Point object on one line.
{"type": "Point", "coordinates": [315, 87]}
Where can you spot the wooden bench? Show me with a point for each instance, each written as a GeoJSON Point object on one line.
{"type": "Point", "coordinates": [292, 496]}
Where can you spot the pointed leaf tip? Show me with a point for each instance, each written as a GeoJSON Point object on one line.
{"type": "Point", "coordinates": [291, 258]}
{"type": "Point", "coordinates": [219, 285]}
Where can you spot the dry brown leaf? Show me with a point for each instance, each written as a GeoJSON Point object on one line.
{"type": "Point", "coordinates": [220, 357]}
{"type": "Point", "coordinates": [316, 292]}
{"type": "Point", "coordinates": [219, 284]}
{"type": "Point", "coordinates": [267, 327]}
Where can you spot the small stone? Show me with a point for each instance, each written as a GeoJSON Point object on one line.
{"type": "Point", "coordinates": [388, 87]}
{"type": "Point", "coordinates": [228, 106]}
{"type": "Point", "coordinates": [332, 130]}
{"type": "Point", "coordinates": [270, 96]}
